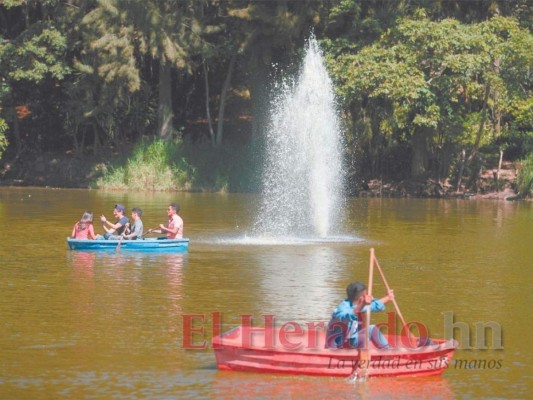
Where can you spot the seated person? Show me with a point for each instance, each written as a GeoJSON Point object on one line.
{"type": "Point", "coordinates": [345, 330]}
{"type": "Point", "coordinates": [174, 227]}
{"type": "Point", "coordinates": [83, 229]}
{"type": "Point", "coordinates": [136, 230]}
{"type": "Point", "coordinates": [115, 230]}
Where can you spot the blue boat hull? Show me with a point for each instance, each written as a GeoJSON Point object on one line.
{"type": "Point", "coordinates": [147, 245]}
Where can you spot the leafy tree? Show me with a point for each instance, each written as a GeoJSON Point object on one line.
{"type": "Point", "coordinates": [436, 83]}
{"type": "Point", "coordinates": [125, 36]}
{"type": "Point", "coordinates": [33, 50]}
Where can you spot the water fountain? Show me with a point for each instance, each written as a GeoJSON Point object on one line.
{"type": "Point", "coordinates": [303, 175]}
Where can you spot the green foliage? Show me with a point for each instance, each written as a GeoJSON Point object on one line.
{"type": "Point", "coordinates": [418, 82]}
{"type": "Point", "coordinates": [3, 139]}
{"type": "Point", "coordinates": [525, 176]}
{"type": "Point", "coordinates": [36, 54]}
{"type": "Point", "coordinates": [436, 76]}
{"type": "Point", "coordinates": [154, 165]}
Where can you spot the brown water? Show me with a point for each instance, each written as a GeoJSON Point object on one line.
{"type": "Point", "coordinates": [107, 325]}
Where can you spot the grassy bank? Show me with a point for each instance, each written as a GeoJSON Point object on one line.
{"type": "Point", "coordinates": [178, 165]}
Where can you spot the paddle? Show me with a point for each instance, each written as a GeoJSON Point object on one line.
{"type": "Point", "coordinates": [149, 231]}
{"type": "Point", "coordinates": [396, 307]}
{"type": "Point", "coordinates": [364, 353]}
{"type": "Point", "coordinates": [117, 249]}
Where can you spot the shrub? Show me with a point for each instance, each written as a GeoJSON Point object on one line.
{"type": "Point", "coordinates": [525, 176]}
{"type": "Point", "coordinates": [155, 165]}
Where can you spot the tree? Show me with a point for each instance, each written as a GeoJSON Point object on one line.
{"type": "Point", "coordinates": [33, 50]}
{"type": "Point", "coordinates": [439, 80]}
{"type": "Point", "coordinates": [126, 33]}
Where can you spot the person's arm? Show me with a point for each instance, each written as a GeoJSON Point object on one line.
{"type": "Point", "coordinates": [174, 229]}
{"type": "Point", "coordinates": [73, 234]}
{"type": "Point", "coordinates": [134, 233]}
{"type": "Point", "coordinates": [108, 230]}
{"type": "Point", "coordinates": [91, 232]}
{"type": "Point", "coordinates": [162, 229]}
{"type": "Point", "coordinates": [376, 304]}
{"type": "Point", "coordinates": [388, 297]}
{"type": "Point", "coordinates": [112, 227]}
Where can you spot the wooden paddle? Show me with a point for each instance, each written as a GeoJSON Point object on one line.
{"type": "Point", "coordinates": [117, 249]}
{"type": "Point", "coordinates": [149, 231]}
{"type": "Point", "coordinates": [396, 307]}
{"type": "Point", "coordinates": [364, 353]}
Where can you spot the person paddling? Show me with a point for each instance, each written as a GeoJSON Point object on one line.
{"type": "Point", "coordinates": [136, 230]}
{"type": "Point", "coordinates": [345, 330]}
{"type": "Point", "coordinates": [115, 230]}
{"type": "Point", "coordinates": [174, 227]}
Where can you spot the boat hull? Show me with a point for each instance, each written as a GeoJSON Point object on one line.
{"type": "Point", "coordinates": [258, 350]}
{"type": "Point", "coordinates": [144, 245]}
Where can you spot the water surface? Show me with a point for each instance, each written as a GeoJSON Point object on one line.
{"type": "Point", "coordinates": [105, 325]}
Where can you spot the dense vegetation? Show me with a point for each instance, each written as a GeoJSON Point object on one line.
{"type": "Point", "coordinates": [167, 95]}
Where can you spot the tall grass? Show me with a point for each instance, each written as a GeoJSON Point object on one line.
{"type": "Point", "coordinates": [159, 165]}
{"type": "Point", "coordinates": [155, 165]}
{"type": "Point", "coordinates": [525, 176]}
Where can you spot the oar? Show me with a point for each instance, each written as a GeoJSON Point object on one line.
{"type": "Point", "coordinates": [365, 356]}
{"type": "Point", "coordinates": [149, 231]}
{"type": "Point", "coordinates": [117, 249]}
{"type": "Point", "coordinates": [393, 299]}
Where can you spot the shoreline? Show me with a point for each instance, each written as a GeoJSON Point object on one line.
{"type": "Point", "coordinates": [67, 171]}
{"type": "Point", "coordinates": [385, 192]}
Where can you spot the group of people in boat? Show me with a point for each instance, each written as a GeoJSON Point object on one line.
{"type": "Point", "coordinates": [121, 228]}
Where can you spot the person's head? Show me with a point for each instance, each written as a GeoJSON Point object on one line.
{"type": "Point", "coordinates": [119, 210]}
{"type": "Point", "coordinates": [136, 212]}
{"type": "Point", "coordinates": [355, 290]}
{"type": "Point", "coordinates": [87, 217]}
{"type": "Point", "coordinates": [173, 208]}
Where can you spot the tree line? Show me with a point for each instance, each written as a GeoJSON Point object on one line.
{"type": "Point", "coordinates": [426, 89]}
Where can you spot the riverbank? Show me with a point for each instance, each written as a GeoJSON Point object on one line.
{"type": "Point", "coordinates": [82, 171]}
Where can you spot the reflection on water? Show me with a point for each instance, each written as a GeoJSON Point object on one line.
{"type": "Point", "coordinates": [245, 240]}
{"type": "Point", "coordinates": [109, 325]}
{"type": "Point", "coordinates": [257, 386]}
{"type": "Point", "coordinates": [294, 280]}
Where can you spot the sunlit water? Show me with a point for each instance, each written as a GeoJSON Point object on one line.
{"type": "Point", "coordinates": [302, 175]}
{"type": "Point", "coordinates": [110, 325]}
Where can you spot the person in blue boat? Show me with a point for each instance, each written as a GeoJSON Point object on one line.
{"type": "Point", "coordinates": [83, 229]}
{"type": "Point", "coordinates": [174, 227]}
{"type": "Point", "coordinates": [345, 330]}
{"type": "Point", "coordinates": [135, 231]}
{"type": "Point", "coordinates": [116, 229]}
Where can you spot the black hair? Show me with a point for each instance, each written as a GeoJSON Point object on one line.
{"type": "Point", "coordinates": [175, 206]}
{"type": "Point", "coordinates": [138, 211]}
{"type": "Point", "coordinates": [354, 290]}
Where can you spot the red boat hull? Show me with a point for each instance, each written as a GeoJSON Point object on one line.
{"type": "Point", "coordinates": [303, 353]}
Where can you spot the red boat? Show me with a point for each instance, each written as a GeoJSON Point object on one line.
{"type": "Point", "coordinates": [302, 352]}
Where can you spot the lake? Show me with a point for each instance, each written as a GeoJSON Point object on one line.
{"type": "Point", "coordinates": [110, 325]}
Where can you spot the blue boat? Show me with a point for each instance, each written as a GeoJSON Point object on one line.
{"type": "Point", "coordinates": [154, 245]}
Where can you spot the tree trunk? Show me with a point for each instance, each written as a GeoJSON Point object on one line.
{"type": "Point", "coordinates": [258, 94]}
{"type": "Point", "coordinates": [164, 109]}
{"type": "Point", "coordinates": [419, 160]}
{"type": "Point", "coordinates": [96, 140]}
{"type": "Point", "coordinates": [475, 173]}
{"type": "Point", "coordinates": [207, 108]}
{"type": "Point", "coordinates": [481, 124]}
{"type": "Point", "coordinates": [461, 170]}
{"type": "Point", "coordinates": [223, 95]}
{"type": "Point", "coordinates": [497, 176]}
{"type": "Point", "coordinates": [16, 133]}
